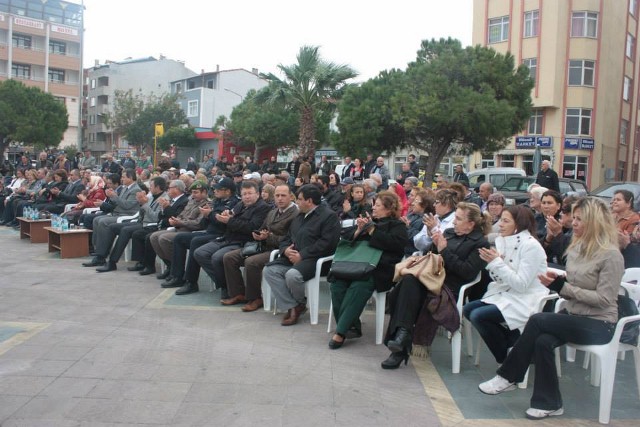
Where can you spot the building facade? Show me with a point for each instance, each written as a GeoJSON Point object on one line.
{"type": "Point", "coordinates": [145, 76]}
{"type": "Point", "coordinates": [41, 45]}
{"type": "Point", "coordinates": [583, 57]}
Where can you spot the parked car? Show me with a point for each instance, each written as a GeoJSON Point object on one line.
{"type": "Point", "coordinates": [605, 191]}
{"type": "Point", "coordinates": [515, 189]}
{"type": "Point", "coordinates": [496, 176]}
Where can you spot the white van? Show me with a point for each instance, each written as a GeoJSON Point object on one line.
{"type": "Point", "coordinates": [496, 176]}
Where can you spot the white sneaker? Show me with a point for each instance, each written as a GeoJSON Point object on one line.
{"type": "Point", "coordinates": [538, 414]}
{"type": "Point", "coordinates": [496, 385]}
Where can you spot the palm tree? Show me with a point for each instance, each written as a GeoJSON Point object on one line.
{"type": "Point", "coordinates": [310, 85]}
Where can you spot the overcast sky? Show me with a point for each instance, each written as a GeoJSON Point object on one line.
{"type": "Point", "coordinates": [370, 36]}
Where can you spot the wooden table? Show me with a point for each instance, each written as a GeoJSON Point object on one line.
{"type": "Point", "coordinates": [71, 243]}
{"type": "Point", "coordinates": [34, 229]}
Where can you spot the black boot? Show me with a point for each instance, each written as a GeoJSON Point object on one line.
{"type": "Point", "coordinates": [395, 360]}
{"type": "Point", "coordinates": [401, 342]}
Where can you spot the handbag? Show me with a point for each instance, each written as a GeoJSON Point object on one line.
{"type": "Point", "coordinates": [627, 307]}
{"type": "Point", "coordinates": [354, 260]}
{"type": "Point", "coordinates": [251, 248]}
{"type": "Point", "coordinates": [429, 269]}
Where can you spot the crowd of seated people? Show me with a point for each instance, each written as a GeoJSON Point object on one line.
{"type": "Point", "coordinates": [228, 215]}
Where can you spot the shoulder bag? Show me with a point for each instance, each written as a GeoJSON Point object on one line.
{"type": "Point", "coordinates": [251, 248]}
{"type": "Point", "coordinates": [354, 260]}
{"type": "Point", "coordinates": [429, 269]}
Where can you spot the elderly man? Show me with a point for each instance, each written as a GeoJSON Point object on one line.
{"type": "Point", "coordinates": [148, 215]}
{"type": "Point", "coordinates": [313, 234]}
{"type": "Point", "coordinates": [383, 171]}
{"type": "Point", "coordinates": [245, 217]}
{"type": "Point", "coordinates": [485, 190]}
{"type": "Point", "coordinates": [43, 162]}
{"type": "Point", "coordinates": [404, 173]}
{"type": "Point", "coordinates": [87, 161]}
{"type": "Point", "coordinates": [125, 204]}
{"type": "Point", "coordinates": [348, 167]}
{"type": "Point", "coordinates": [547, 177]}
{"type": "Point", "coordinates": [110, 165]}
{"type": "Point", "coordinates": [459, 175]}
{"type": "Point", "coordinates": [272, 231]}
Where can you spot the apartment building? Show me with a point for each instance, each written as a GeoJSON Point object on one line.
{"type": "Point", "coordinates": [583, 57]}
{"type": "Point", "coordinates": [41, 45]}
{"type": "Point", "coordinates": [144, 76]}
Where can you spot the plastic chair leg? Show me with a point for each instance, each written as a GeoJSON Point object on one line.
{"type": "Point", "coordinates": [456, 349]}
{"type": "Point", "coordinates": [330, 321]}
{"type": "Point", "coordinates": [381, 299]}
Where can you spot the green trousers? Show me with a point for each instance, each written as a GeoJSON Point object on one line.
{"type": "Point", "coordinates": [349, 300]}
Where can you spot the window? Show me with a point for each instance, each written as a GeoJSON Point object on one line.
{"type": "Point", "coordinates": [487, 161]}
{"type": "Point", "coordinates": [192, 109]}
{"type": "Point", "coordinates": [622, 170]}
{"type": "Point", "coordinates": [531, 23]}
{"type": "Point", "coordinates": [210, 84]}
{"type": "Point", "coordinates": [581, 72]}
{"type": "Point", "coordinates": [532, 64]}
{"type": "Point", "coordinates": [498, 29]}
{"type": "Point", "coordinates": [624, 132]}
{"type": "Point", "coordinates": [93, 83]}
{"type": "Point", "coordinates": [56, 76]}
{"type": "Point", "coordinates": [21, 71]}
{"type": "Point", "coordinates": [92, 119]}
{"type": "Point", "coordinates": [631, 46]}
{"type": "Point", "coordinates": [578, 121]}
{"type": "Point", "coordinates": [191, 85]}
{"type": "Point", "coordinates": [508, 161]}
{"type": "Point", "coordinates": [584, 24]}
{"type": "Point", "coordinates": [59, 48]}
{"type": "Point", "coordinates": [633, 7]}
{"type": "Point", "coordinates": [535, 122]}
{"type": "Point", "coordinates": [626, 89]}
{"type": "Point", "coordinates": [21, 41]}
{"type": "Point", "coordinates": [178, 87]}
{"type": "Point", "coordinates": [92, 101]}
{"type": "Point", "coordinates": [575, 167]}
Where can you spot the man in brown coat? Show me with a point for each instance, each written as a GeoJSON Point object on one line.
{"type": "Point", "coordinates": [273, 230]}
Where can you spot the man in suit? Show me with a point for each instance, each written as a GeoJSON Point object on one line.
{"type": "Point", "coordinates": [272, 231]}
{"type": "Point", "coordinates": [190, 219]}
{"type": "Point", "coordinates": [148, 214]}
{"type": "Point", "coordinates": [141, 249]}
{"type": "Point", "coordinates": [125, 204]}
{"type": "Point", "coordinates": [67, 196]}
{"type": "Point", "coordinates": [313, 234]}
{"type": "Point", "coordinates": [245, 217]}
{"type": "Point", "coordinates": [88, 161]}
{"type": "Point", "coordinates": [225, 200]}
{"type": "Point", "coordinates": [348, 166]}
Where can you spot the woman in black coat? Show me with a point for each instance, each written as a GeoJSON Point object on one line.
{"type": "Point", "coordinates": [459, 249]}
{"type": "Point", "coordinates": [385, 231]}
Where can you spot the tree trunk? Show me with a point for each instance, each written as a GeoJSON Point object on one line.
{"type": "Point", "coordinates": [307, 132]}
{"type": "Point", "coordinates": [256, 153]}
{"type": "Point", "coordinates": [437, 151]}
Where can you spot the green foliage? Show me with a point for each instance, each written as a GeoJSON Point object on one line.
{"type": "Point", "coordinates": [31, 116]}
{"type": "Point", "coordinates": [134, 117]}
{"type": "Point", "coordinates": [468, 99]}
{"type": "Point", "coordinates": [263, 125]}
{"type": "Point", "coordinates": [309, 86]}
{"type": "Point", "coordinates": [179, 137]}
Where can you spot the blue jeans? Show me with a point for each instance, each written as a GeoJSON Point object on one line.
{"type": "Point", "coordinates": [488, 320]}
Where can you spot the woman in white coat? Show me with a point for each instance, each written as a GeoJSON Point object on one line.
{"type": "Point", "coordinates": [515, 292]}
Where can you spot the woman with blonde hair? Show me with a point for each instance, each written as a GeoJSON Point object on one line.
{"type": "Point", "coordinates": [590, 287]}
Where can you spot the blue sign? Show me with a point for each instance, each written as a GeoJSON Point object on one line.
{"type": "Point", "coordinates": [572, 143]}
{"type": "Point", "coordinates": [587, 144]}
{"type": "Point", "coordinates": [525, 141]}
{"type": "Point", "coordinates": [545, 141]}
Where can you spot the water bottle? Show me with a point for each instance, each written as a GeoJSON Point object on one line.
{"type": "Point", "coordinates": [65, 224]}
{"type": "Point", "coordinates": [55, 222]}
{"type": "Point", "coordinates": [35, 214]}
{"type": "Point", "coordinates": [27, 212]}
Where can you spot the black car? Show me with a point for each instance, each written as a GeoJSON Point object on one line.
{"type": "Point", "coordinates": [606, 191]}
{"type": "Point", "coordinates": [515, 189]}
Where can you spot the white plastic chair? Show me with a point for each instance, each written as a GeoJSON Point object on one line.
{"type": "Point", "coordinates": [266, 289]}
{"type": "Point", "coordinates": [90, 210]}
{"type": "Point", "coordinates": [603, 368]}
{"type": "Point", "coordinates": [381, 299]}
{"type": "Point", "coordinates": [456, 338]}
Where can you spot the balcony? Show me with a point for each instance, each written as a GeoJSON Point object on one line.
{"type": "Point", "coordinates": [68, 89]}
{"type": "Point", "coordinates": [29, 56]}
{"type": "Point", "coordinates": [65, 62]}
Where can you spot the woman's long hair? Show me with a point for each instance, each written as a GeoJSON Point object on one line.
{"type": "Point", "coordinates": [600, 231]}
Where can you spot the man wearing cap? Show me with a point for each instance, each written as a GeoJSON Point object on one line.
{"type": "Point", "coordinates": [346, 185]}
{"type": "Point", "coordinates": [188, 220]}
{"type": "Point", "coordinates": [245, 217]}
{"type": "Point", "coordinates": [272, 231]}
{"type": "Point", "coordinates": [225, 200]}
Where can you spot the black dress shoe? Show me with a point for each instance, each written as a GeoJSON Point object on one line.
{"type": "Point", "coordinates": [334, 345]}
{"type": "Point", "coordinates": [395, 359]}
{"type": "Point", "coordinates": [138, 267]}
{"type": "Point", "coordinates": [173, 283]}
{"type": "Point", "coordinates": [147, 271]}
{"type": "Point", "coordinates": [95, 262]}
{"type": "Point", "coordinates": [187, 288]}
{"type": "Point", "coordinates": [109, 266]}
{"type": "Point", "coordinates": [164, 275]}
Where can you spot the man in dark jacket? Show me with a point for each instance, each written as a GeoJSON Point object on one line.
{"type": "Point", "coordinates": [246, 216]}
{"type": "Point", "coordinates": [459, 175]}
{"type": "Point", "coordinates": [332, 198]}
{"type": "Point", "coordinates": [547, 177]}
{"type": "Point", "coordinates": [67, 196]}
{"type": "Point", "coordinates": [313, 234]}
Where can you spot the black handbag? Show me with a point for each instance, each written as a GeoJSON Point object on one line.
{"type": "Point", "coordinates": [627, 307]}
{"type": "Point", "coordinates": [251, 248]}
